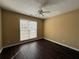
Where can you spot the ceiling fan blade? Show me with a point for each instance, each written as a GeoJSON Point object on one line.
{"type": "Point", "coordinates": [46, 11]}
{"type": "Point", "coordinates": [42, 14]}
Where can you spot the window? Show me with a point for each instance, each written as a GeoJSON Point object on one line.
{"type": "Point", "coordinates": [28, 29]}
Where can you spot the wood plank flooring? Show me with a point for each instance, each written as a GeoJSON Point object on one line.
{"type": "Point", "coordinates": [40, 49]}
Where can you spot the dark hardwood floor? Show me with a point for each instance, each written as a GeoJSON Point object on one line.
{"type": "Point", "coordinates": [40, 49]}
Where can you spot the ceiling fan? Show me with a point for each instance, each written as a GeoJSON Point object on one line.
{"type": "Point", "coordinates": [43, 4]}
{"type": "Point", "coordinates": [42, 12]}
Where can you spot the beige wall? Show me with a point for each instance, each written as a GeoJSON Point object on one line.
{"type": "Point", "coordinates": [10, 22]}
{"type": "Point", "coordinates": [0, 30]}
{"type": "Point", "coordinates": [63, 28]}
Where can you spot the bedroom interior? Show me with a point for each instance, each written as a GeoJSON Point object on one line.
{"type": "Point", "coordinates": [39, 29]}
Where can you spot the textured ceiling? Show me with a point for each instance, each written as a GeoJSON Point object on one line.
{"type": "Point", "coordinates": [31, 7]}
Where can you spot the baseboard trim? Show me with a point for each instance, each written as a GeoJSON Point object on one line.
{"type": "Point", "coordinates": [1, 50]}
{"type": "Point", "coordinates": [62, 44]}
{"type": "Point", "coordinates": [21, 43]}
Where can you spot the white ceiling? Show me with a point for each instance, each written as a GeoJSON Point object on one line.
{"type": "Point", "coordinates": [31, 7]}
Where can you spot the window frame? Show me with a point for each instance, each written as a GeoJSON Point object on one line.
{"type": "Point", "coordinates": [29, 31]}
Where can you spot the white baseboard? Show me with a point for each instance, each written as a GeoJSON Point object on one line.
{"type": "Point", "coordinates": [21, 42]}
{"type": "Point", "coordinates": [1, 50]}
{"type": "Point", "coordinates": [62, 44]}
